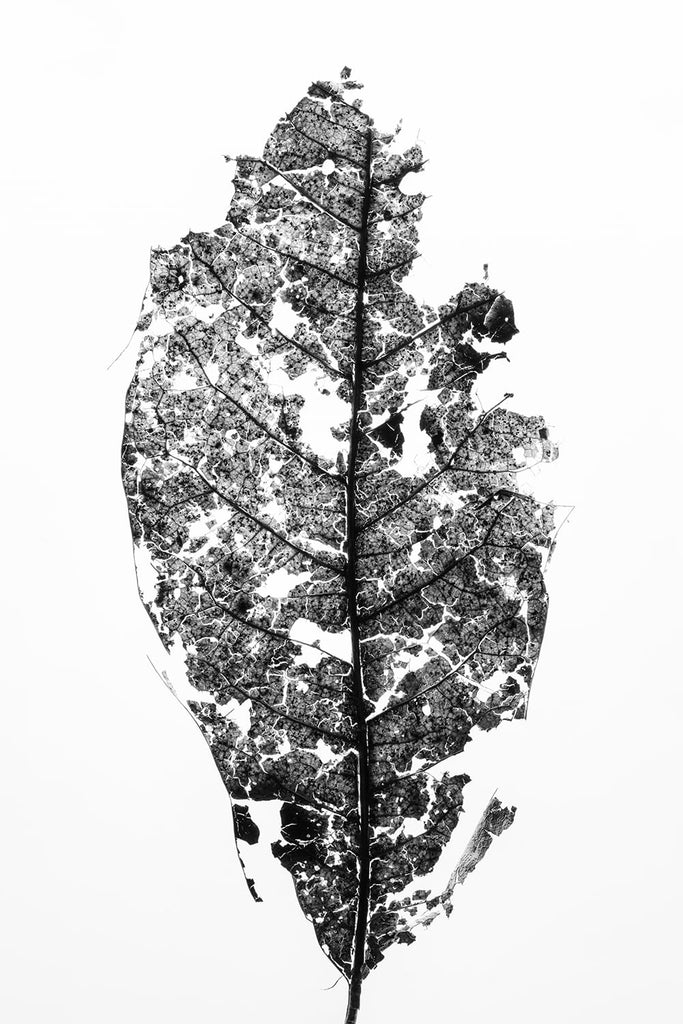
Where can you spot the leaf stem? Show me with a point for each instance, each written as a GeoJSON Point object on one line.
{"type": "Point", "coordinates": [358, 695]}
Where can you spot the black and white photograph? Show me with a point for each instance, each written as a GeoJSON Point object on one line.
{"type": "Point", "coordinates": [341, 461]}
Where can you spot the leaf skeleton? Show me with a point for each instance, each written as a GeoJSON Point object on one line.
{"type": "Point", "coordinates": [329, 532]}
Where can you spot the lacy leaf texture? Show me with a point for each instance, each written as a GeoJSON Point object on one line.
{"type": "Point", "coordinates": [329, 530]}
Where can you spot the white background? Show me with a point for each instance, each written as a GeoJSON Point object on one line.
{"type": "Point", "coordinates": [554, 138]}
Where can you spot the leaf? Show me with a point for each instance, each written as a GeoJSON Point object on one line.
{"type": "Point", "coordinates": [330, 535]}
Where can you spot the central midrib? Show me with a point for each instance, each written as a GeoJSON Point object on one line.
{"type": "Point", "coordinates": [358, 696]}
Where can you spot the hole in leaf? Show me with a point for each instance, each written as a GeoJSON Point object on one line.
{"type": "Point", "coordinates": [328, 166]}
{"type": "Point", "coordinates": [409, 184]}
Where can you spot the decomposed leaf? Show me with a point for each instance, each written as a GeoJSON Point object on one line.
{"type": "Point", "coordinates": [330, 534]}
